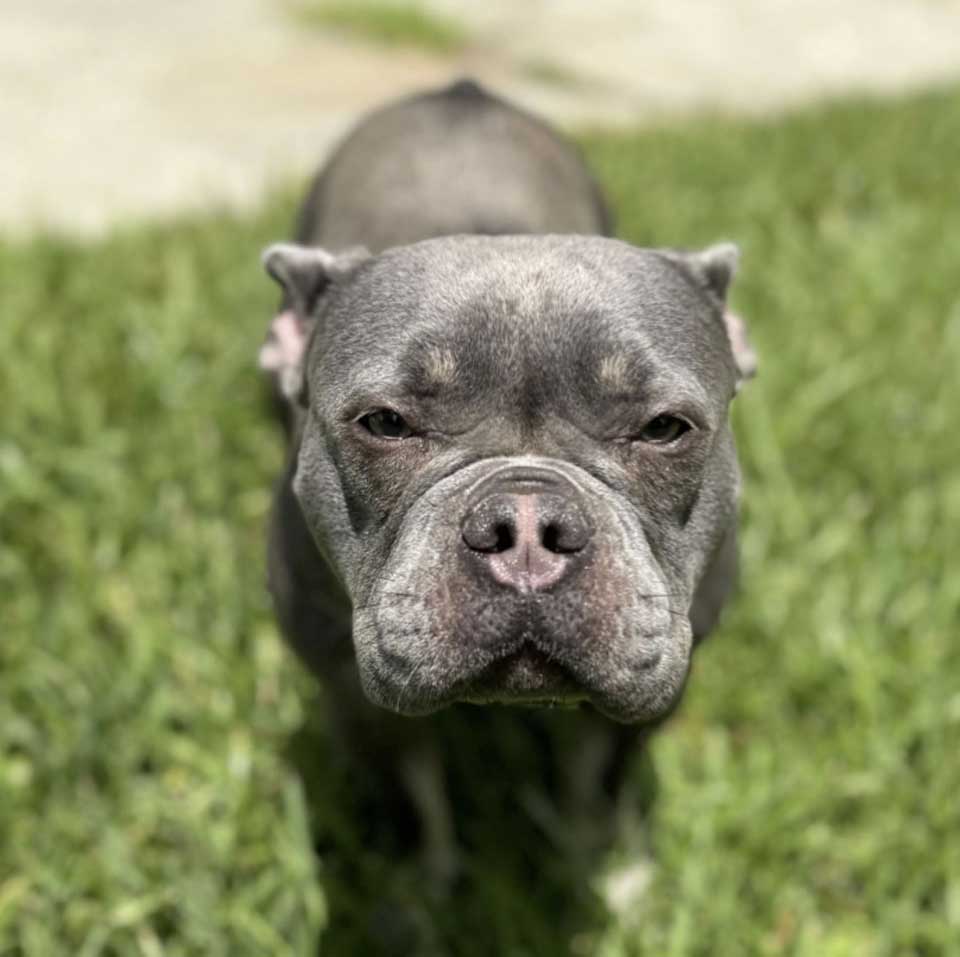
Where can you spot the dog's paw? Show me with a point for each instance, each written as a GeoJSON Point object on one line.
{"type": "Point", "coordinates": [623, 888]}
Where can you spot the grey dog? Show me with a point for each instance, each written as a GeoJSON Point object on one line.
{"type": "Point", "coordinates": [510, 456]}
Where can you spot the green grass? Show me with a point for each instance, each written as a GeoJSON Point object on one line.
{"type": "Point", "coordinates": [163, 766]}
{"type": "Point", "coordinates": [388, 22]}
{"type": "Point", "coordinates": [551, 73]}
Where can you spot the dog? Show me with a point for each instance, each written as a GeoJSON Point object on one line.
{"type": "Point", "coordinates": [511, 477]}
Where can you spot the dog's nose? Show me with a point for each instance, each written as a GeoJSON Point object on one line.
{"type": "Point", "coordinates": [526, 533]}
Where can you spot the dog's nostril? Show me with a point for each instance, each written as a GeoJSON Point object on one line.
{"type": "Point", "coordinates": [490, 533]}
{"type": "Point", "coordinates": [564, 538]}
{"type": "Point", "coordinates": [564, 529]}
{"type": "Point", "coordinates": [504, 538]}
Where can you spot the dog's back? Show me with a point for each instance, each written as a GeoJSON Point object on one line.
{"type": "Point", "coordinates": [456, 160]}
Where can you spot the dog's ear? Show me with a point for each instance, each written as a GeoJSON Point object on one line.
{"type": "Point", "coordinates": [304, 273]}
{"type": "Point", "coordinates": [713, 268]}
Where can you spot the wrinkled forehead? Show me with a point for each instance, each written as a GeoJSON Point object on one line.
{"type": "Point", "coordinates": [553, 318]}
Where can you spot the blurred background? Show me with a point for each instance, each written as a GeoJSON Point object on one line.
{"type": "Point", "coordinates": [113, 109]}
{"type": "Point", "coordinates": [168, 782]}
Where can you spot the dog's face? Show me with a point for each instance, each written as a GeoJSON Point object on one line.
{"type": "Point", "coordinates": [515, 454]}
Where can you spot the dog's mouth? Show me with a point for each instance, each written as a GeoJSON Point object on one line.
{"type": "Point", "coordinates": [526, 676]}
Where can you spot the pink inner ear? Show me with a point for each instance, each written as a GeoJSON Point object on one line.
{"type": "Point", "coordinates": [283, 348]}
{"type": "Point", "coordinates": [743, 353]}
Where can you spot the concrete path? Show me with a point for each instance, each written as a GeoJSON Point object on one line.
{"type": "Point", "coordinates": [120, 108]}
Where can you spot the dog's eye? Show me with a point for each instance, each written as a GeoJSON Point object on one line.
{"type": "Point", "coordinates": [663, 430]}
{"type": "Point", "coordinates": [386, 424]}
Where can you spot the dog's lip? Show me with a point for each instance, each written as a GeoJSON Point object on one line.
{"type": "Point", "coordinates": [529, 676]}
{"type": "Point", "coordinates": [524, 676]}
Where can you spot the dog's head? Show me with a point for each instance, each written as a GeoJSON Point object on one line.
{"type": "Point", "coordinates": [515, 454]}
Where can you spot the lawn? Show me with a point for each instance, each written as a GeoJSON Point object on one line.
{"type": "Point", "coordinates": [387, 22]}
{"type": "Point", "coordinates": [164, 772]}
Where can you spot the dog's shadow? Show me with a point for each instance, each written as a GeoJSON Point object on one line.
{"type": "Point", "coordinates": [529, 855]}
